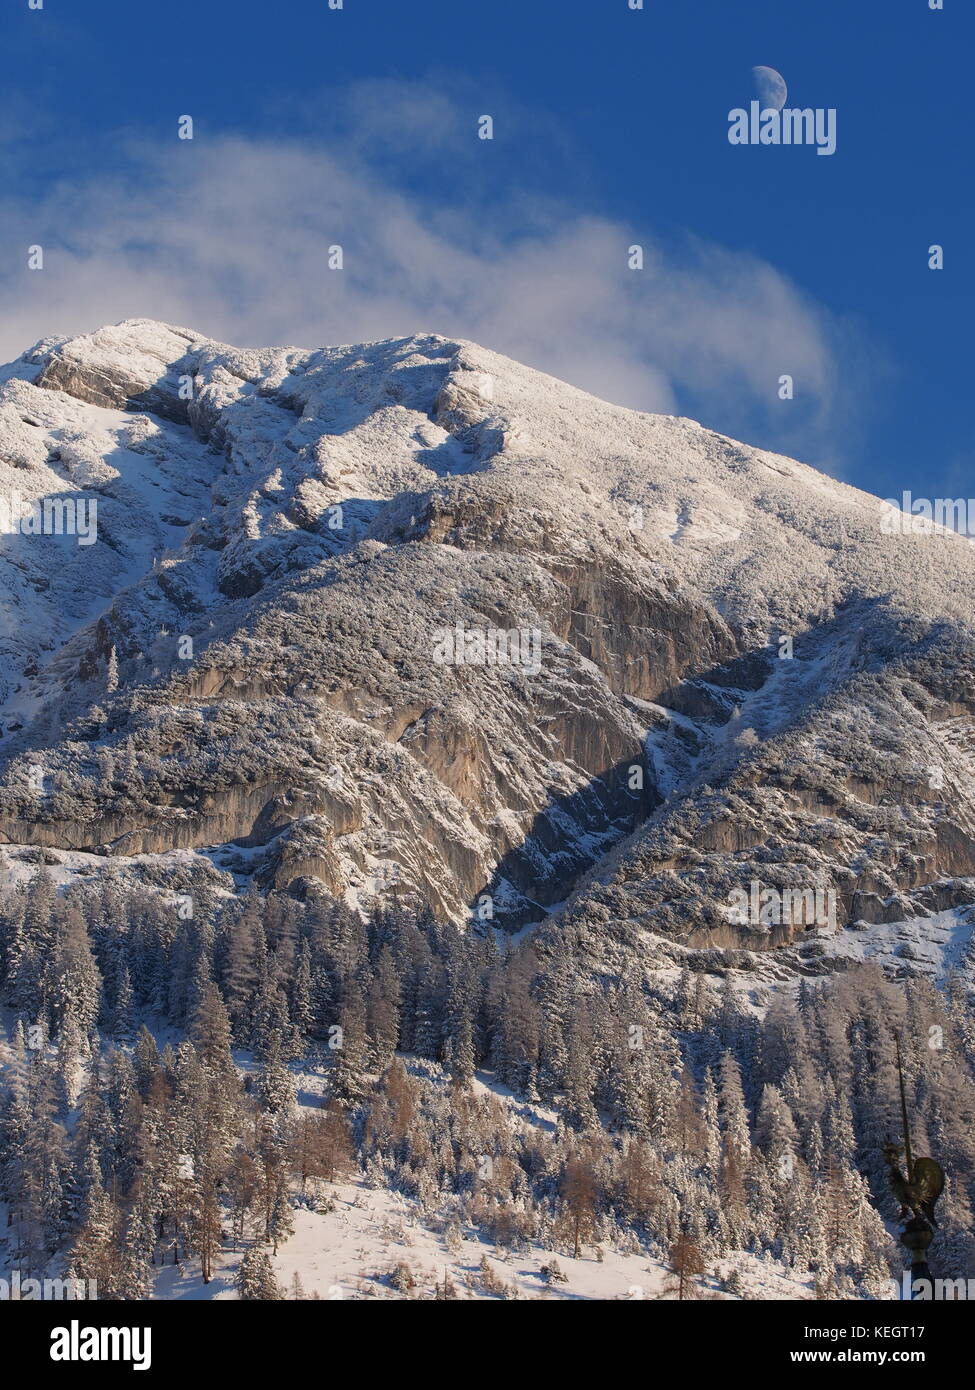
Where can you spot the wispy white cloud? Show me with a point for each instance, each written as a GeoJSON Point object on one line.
{"type": "Point", "coordinates": [230, 236]}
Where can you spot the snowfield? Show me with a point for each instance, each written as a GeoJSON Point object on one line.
{"type": "Point", "coordinates": [361, 1247]}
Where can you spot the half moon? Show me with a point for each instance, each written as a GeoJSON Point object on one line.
{"type": "Point", "coordinates": [771, 88]}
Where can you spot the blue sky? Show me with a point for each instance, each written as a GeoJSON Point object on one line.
{"type": "Point", "coordinates": [358, 127]}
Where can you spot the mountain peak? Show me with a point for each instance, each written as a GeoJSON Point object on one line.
{"type": "Point", "coordinates": [304, 558]}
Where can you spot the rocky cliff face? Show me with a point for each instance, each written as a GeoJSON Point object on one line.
{"type": "Point", "coordinates": [687, 666]}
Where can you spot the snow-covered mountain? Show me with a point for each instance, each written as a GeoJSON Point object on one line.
{"type": "Point", "coordinates": [731, 669]}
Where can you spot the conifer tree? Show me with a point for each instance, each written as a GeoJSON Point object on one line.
{"type": "Point", "coordinates": [255, 1278]}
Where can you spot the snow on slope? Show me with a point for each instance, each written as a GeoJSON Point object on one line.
{"type": "Point", "coordinates": [311, 519]}
{"type": "Point", "coordinates": [353, 1251]}
{"type": "Point", "coordinates": [353, 1247]}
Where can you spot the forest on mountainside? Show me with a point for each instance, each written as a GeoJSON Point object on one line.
{"type": "Point", "coordinates": [150, 1114]}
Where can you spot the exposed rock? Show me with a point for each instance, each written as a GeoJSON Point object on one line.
{"type": "Point", "coordinates": [287, 539]}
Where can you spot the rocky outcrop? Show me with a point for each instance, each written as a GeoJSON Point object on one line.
{"type": "Point", "coordinates": [724, 671]}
